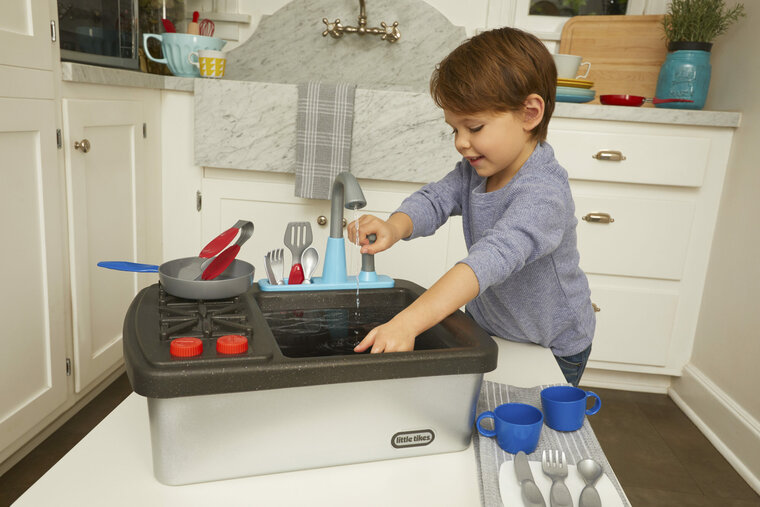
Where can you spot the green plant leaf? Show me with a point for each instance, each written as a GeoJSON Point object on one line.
{"type": "Point", "coordinates": [699, 20]}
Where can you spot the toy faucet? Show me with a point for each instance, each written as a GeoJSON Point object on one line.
{"type": "Point", "coordinates": [345, 192]}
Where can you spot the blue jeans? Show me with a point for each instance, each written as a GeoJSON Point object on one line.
{"type": "Point", "coordinates": [573, 366]}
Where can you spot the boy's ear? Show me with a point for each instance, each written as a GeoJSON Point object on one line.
{"type": "Point", "coordinates": [533, 111]}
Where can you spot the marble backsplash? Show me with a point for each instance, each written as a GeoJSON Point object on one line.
{"type": "Point", "coordinates": [248, 120]}
{"type": "Point", "coordinates": [399, 136]}
{"type": "Point", "coordinates": [288, 46]}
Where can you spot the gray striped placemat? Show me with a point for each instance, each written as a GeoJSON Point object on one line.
{"type": "Point", "coordinates": [577, 445]}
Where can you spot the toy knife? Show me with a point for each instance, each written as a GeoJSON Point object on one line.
{"type": "Point", "coordinates": [530, 493]}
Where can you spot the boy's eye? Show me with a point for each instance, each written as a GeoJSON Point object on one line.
{"type": "Point", "coordinates": [472, 129]}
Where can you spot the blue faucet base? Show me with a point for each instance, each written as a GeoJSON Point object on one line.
{"type": "Point", "coordinates": [317, 283]}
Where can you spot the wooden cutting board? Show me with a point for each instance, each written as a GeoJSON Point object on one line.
{"type": "Point", "coordinates": [625, 52]}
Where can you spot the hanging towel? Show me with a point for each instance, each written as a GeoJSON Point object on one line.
{"type": "Point", "coordinates": [323, 136]}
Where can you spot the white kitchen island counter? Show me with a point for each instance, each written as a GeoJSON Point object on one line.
{"type": "Point", "coordinates": [112, 465]}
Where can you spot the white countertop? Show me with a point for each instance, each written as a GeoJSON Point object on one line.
{"type": "Point", "coordinates": [112, 465]}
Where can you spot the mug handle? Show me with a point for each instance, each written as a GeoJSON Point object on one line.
{"type": "Point", "coordinates": [147, 36]}
{"type": "Point", "coordinates": [485, 431]}
{"type": "Point", "coordinates": [588, 69]}
{"type": "Point", "coordinates": [197, 59]}
{"type": "Point", "coordinates": [597, 404]}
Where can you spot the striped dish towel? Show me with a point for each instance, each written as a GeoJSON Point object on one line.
{"type": "Point", "coordinates": [323, 136]}
{"type": "Point", "coordinates": [577, 445]}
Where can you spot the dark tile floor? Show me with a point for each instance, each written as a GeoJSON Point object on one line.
{"type": "Point", "coordinates": [661, 458]}
{"type": "Point", "coordinates": [658, 454]}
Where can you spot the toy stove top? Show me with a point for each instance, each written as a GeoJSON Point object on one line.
{"type": "Point", "coordinates": [298, 332]}
{"type": "Point", "coordinates": [202, 319]}
{"type": "Point", "coordinates": [293, 339]}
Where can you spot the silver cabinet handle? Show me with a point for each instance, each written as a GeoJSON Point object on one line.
{"type": "Point", "coordinates": [83, 145]}
{"type": "Point", "coordinates": [611, 155]}
{"type": "Point", "coordinates": [598, 218]}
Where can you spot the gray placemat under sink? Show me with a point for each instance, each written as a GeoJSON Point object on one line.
{"type": "Point", "coordinates": [577, 445]}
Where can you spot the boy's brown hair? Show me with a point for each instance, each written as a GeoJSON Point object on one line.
{"type": "Point", "coordinates": [496, 71]}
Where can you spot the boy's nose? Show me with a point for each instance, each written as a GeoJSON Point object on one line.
{"type": "Point", "coordinates": [461, 142]}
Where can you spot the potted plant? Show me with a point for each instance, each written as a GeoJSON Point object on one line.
{"type": "Point", "coordinates": [690, 27]}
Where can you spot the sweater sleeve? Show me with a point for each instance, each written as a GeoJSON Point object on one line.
{"type": "Point", "coordinates": [432, 205]}
{"type": "Point", "coordinates": [532, 228]}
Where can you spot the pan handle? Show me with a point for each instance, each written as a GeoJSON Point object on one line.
{"type": "Point", "coordinates": [134, 267]}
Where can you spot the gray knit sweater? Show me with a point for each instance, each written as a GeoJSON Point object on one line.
{"type": "Point", "coordinates": [522, 247]}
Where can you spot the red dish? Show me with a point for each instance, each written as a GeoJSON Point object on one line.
{"type": "Point", "coordinates": [633, 100]}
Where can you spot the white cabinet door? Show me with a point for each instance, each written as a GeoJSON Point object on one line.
{"type": "Point", "coordinates": [32, 260]}
{"type": "Point", "coordinates": [101, 187]}
{"type": "Point", "coordinates": [271, 205]}
{"type": "Point", "coordinates": [25, 34]}
{"type": "Point", "coordinates": [635, 325]}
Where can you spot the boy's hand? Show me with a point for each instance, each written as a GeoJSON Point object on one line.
{"type": "Point", "coordinates": [458, 286]}
{"type": "Point", "coordinates": [397, 227]}
{"type": "Point", "coordinates": [388, 337]}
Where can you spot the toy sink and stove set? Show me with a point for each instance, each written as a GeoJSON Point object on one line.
{"type": "Point", "coordinates": [291, 394]}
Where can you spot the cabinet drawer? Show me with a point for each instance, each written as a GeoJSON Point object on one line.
{"type": "Point", "coordinates": [649, 158]}
{"type": "Point", "coordinates": [645, 237]}
{"type": "Point", "coordinates": [634, 325]}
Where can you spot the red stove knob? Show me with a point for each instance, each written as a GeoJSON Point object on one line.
{"type": "Point", "coordinates": [186, 346]}
{"type": "Point", "coordinates": [232, 344]}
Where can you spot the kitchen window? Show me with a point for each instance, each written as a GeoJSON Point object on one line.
{"type": "Point", "coordinates": [545, 18]}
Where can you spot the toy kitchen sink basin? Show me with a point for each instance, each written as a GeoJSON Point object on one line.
{"type": "Point", "coordinates": [298, 397]}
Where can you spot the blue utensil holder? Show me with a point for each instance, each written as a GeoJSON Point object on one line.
{"type": "Point", "coordinates": [684, 75]}
{"type": "Point", "coordinates": [334, 275]}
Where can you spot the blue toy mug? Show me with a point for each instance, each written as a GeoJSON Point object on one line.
{"type": "Point", "coordinates": [565, 407]}
{"type": "Point", "coordinates": [517, 426]}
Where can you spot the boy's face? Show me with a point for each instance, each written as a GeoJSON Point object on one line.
{"type": "Point", "coordinates": [496, 144]}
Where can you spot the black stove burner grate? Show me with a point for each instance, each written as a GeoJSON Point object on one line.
{"type": "Point", "coordinates": [204, 319]}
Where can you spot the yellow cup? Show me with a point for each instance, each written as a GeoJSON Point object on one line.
{"type": "Point", "coordinates": [210, 63]}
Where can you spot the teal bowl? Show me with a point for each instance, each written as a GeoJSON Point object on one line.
{"type": "Point", "coordinates": [176, 48]}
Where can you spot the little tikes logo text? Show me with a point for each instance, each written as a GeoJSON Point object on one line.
{"type": "Point", "coordinates": [417, 438]}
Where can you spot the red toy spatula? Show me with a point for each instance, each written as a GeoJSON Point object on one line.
{"type": "Point", "coordinates": [224, 259]}
{"type": "Point", "coordinates": [168, 26]}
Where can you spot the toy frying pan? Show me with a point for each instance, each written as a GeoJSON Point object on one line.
{"type": "Point", "coordinates": [235, 280]}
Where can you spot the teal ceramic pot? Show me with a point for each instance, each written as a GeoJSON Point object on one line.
{"type": "Point", "coordinates": [685, 75]}
{"type": "Point", "coordinates": [177, 46]}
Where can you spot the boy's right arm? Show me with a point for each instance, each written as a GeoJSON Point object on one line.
{"type": "Point", "coordinates": [388, 232]}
